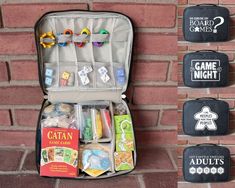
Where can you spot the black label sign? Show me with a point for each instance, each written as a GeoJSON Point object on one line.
{"type": "Point", "coordinates": [205, 70]}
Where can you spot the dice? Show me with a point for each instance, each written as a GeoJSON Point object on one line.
{"type": "Point", "coordinates": [48, 81]}
{"type": "Point", "coordinates": [65, 75]}
{"type": "Point", "coordinates": [49, 72]}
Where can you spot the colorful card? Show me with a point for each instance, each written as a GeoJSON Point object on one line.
{"type": "Point", "coordinates": [59, 153]}
{"type": "Point", "coordinates": [123, 124]}
{"type": "Point", "coordinates": [123, 161]}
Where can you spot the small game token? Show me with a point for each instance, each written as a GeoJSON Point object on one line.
{"type": "Point", "coordinates": [105, 78]}
{"type": "Point", "coordinates": [121, 80]}
{"type": "Point", "coordinates": [71, 79]}
{"type": "Point", "coordinates": [120, 72]}
{"type": "Point", "coordinates": [102, 70]}
{"type": "Point", "coordinates": [65, 75]}
{"type": "Point", "coordinates": [48, 81]}
{"type": "Point", "coordinates": [63, 82]}
{"type": "Point", "coordinates": [49, 72]}
{"type": "Point", "coordinates": [85, 80]}
{"type": "Point", "coordinates": [87, 69]}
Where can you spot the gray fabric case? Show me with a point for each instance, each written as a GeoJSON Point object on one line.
{"type": "Point", "coordinates": [116, 53]}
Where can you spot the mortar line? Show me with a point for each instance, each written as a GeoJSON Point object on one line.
{"type": "Point", "coordinates": [57, 183]}
{"type": "Point", "coordinates": [22, 161]}
{"type": "Point", "coordinates": [172, 159]}
{"type": "Point", "coordinates": [141, 181]}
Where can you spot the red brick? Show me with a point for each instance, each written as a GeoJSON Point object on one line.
{"type": "Point", "coordinates": [144, 15]}
{"type": "Point", "coordinates": [174, 71]}
{"type": "Point", "coordinates": [180, 11]}
{"type": "Point", "coordinates": [225, 185]}
{"type": "Point", "coordinates": [226, 95]}
{"type": "Point", "coordinates": [202, 46]}
{"type": "Point", "coordinates": [227, 2]}
{"type": "Point", "coordinates": [182, 48]}
{"type": "Point", "coordinates": [17, 138]}
{"type": "Point", "coordinates": [182, 96]}
{"type": "Point", "coordinates": [10, 160]}
{"type": "Point", "coordinates": [161, 180]}
{"type": "Point", "coordinates": [203, 1]}
{"type": "Point", "coordinates": [146, 71]}
{"type": "Point", "coordinates": [30, 163]}
{"type": "Point", "coordinates": [5, 117]}
{"type": "Point", "coordinates": [182, 2]}
{"type": "Point", "coordinates": [152, 43]}
{"type": "Point", "coordinates": [201, 95]}
{"type": "Point", "coordinates": [26, 15]}
{"type": "Point", "coordinates": [17, 43]}
{"type": "Point", "coordinates": [26, 117]}
{"type": "Point", "coordinates": [20, 181]}
{"type": "Point", "coordinates": [190, 185]}
{"type": "Point", "coordinates": [227, 46]}
{"type": "Point", "coordinates": [145, 155]}
{"type": "Point", "coordinates": [24, 70]}
{"type": "Point", "coordinates": [129, 92]}
{"type": "Point", "coordinates": [117, 182]}
{"type": "Point", "coordinates": [169, 117]}
{"type": "Point", "coordinates": [145, 118]}
{"type": "Point", "coordinates": [3, 72]}
{"type": "Point", "coordinates": [223, 90]}
{"type": "Point", "coordinates": [155, 95]}
{"type": "Point", "coordinates": [20, 95]}
{"type": "Point", "coordinates": [151, 138]}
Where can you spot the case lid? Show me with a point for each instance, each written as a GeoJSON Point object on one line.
{"type": "Point", "coordinates": [82, 52]}
{"type": "Point", "coordinates": [205, 68]}
{"type": "Point", "coordinates": [206, 163]}
{"type": "Point", "coordinates": [205, 117]}
{"type": "Point", "coordinates": [206, 23]}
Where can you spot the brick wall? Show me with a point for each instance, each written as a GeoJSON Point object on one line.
{"type": "Point", "coordinates": [226, 93]}
{"type": "Point", "coordinates": [152, 92]}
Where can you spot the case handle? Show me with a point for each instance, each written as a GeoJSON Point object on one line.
{"type": "Point", "coordinates": [210, 98]}
{"type": "Point", "coordinates": [206, 144]}
{"type": "Point", "coordinates": [206, 51]}
{"type": "Point", "coordinates": [206, 4]}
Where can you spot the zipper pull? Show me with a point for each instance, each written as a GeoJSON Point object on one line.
{"type": "Point", "coordinates": [124, 97]}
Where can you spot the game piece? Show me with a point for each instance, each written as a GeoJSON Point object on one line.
{"type": "Point", "coordinates": [99, 44]}
{"type": "Point", "coordinates": [63, 82]}
{"type": "Point", "coordinates": [47, 40]}
{"type": "Point", "coordinates": [48, 81]}
{"type": "Point", "coordinates": [121, 80]}
{"type": "Point", "coordinates": [65, 75]}
{"type": "Point", "coordinates": [120, 72]}
{"type": "Point", "coordinates": [49, 72]}
{"type": "Point", "coordinates": [71, 79]}
{"type": "Point", "coordinates": [84, 31]}
{"type": "Point", "coordinates": [102, 70]}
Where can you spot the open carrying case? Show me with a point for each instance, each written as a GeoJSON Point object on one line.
{"type": "Point", "coordinates": [85, 129]}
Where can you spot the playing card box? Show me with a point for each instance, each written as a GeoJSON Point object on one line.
{"type": "Point", "coordinates": [59, 152]}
